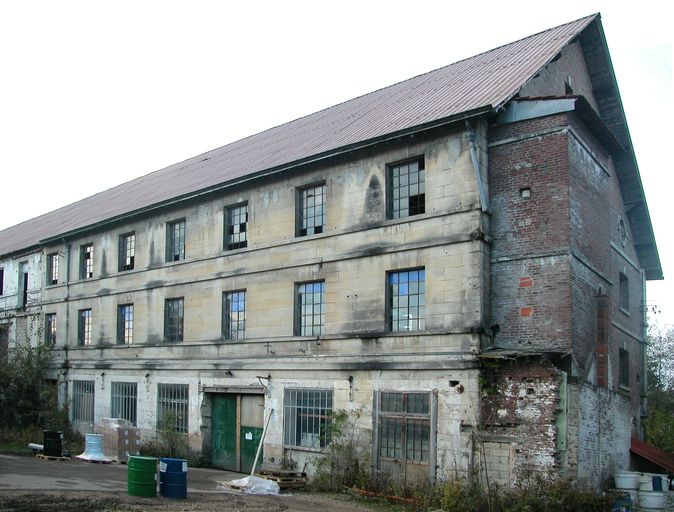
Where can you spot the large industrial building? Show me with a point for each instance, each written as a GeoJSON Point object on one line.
{"type": "Point", "coordinates": [457, 260]}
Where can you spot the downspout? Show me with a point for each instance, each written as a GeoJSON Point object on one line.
{"type": "Point", "coordinates": [472, 137]}
{"type": "Point", "coordinates": [66, 300]}
{"type": "Point", "coordinates": [643, 402]}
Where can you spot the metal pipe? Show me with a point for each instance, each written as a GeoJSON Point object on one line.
{"type": "Point", "coordinates": [259, 446]}
{"type": "Point", "coordinates": [472, 137]}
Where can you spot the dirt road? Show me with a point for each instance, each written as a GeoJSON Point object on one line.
{"type": "Point", "coordinates": [28, 484]}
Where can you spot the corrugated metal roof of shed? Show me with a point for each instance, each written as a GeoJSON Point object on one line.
{"type": "Point", "coordinates": [486, 80]}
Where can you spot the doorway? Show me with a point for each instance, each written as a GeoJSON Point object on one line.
{"type": "Point", "coordinates": [237, 421]}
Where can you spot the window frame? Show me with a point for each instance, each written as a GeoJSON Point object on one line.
{"type": "Point", "coordinates": [320, 417]}
{"type": "Point", "coordinates": [127, 252]}
{"type": "Point", "coordinates": [2, 280]}
{"type": "Point", "coordinates": [87, 261]}
{"type": "Point", "coordinates": [84, 327]}
{"type": "Point", "coordinates": [303, 208]}
{"type": "Point", "coordinates": [84, 395]}
{"type": "Point", "coordinates": [299, 325]}
{"type": "Point", "coordinates": [179, 319]}
{"type": "Point", "coordinates": [239, 331]}
{"type": "Point", "coordinates": [420, 319]}
{"type": "Point", "coordinates": [392, 212]}
{"type": "Point", "coordinates": [124, 401]}
{"type": "Point", "coordinates": [50, 329]}
{"type": "Point", "coordinates": [623, 292]}
{"type": "Point", "coordinates": [623, 369]}
{"type": "Point", "coordinates": [175, 246]}
{"type": "Point", "coordinates": [236, 229]}
{"type": "Point", "coordinates": [52, 268]}
{"type": "Point", "coordinates": [125, 324]}
{"type": "Point", "coordinates": [174, 397]}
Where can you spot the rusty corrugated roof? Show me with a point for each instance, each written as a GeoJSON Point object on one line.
{"type": "Point", "coordinates": [476, 84]}
{"type": "Point", "coordinates": [657, 456]}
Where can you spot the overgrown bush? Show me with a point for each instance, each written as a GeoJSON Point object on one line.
{"type": "Point", "coordinates": [345, 462]}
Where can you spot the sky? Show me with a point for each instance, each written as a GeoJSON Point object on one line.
{"type": "Point", "coordinates": [95, 93]}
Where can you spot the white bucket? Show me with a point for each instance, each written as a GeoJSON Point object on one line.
{"type": "Point", "coordinates": [646, 482]}
{"type": "Point", "coordinates": [652, 500]}
{"type": "Point", "coordinates": [627, 479]}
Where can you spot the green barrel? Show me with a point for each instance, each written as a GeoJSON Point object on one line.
{"type": "Point", "coordinates": [142, 476]}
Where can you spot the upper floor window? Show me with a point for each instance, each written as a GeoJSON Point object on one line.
{"type": "Point", "coordinates": [311, 210]}
{"type": "Point", "coordinates": [309, 308]}
{"type": "Point", "coordinates": [53, 268]}
{"type": "Point", "coordinates": [87, 261]}
{"type": "Point", "coordinates": [125, 324]}
{"type": "Point", "coordinates": [175, 240]}
{"type": "Point", "coordinates": [407, 189]}
{"type": "Point", "coordinates": [624, 368]}
{"type": "Point", "coordinates": [127, 251]}
{"type": "Point", "coordinates": [50, 329]}
{"type": "Point", "coordinates": [406, 300]}
{"type": "Point", "coordinates": [174, 320]}
{"type": "Point", "coordinates": [236, 227]}
{"type": "Point", "coordinates": [2, 281]}
{"type": "Point", "coordinates": [624, 291]}
{"type": "Point", "coordinates": [84, 328]}
{"type": "Point", "coordinates": [234, 315]}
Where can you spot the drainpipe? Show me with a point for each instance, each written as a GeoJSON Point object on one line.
{"type": "Point", "coordinates": [67, 303]}
{"type": "Point", "coordinates": [472, 137]}
{"type": "Point", "coordinates": [642, 352]}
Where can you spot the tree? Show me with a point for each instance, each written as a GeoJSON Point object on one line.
{"type": "Point", "coordinates": [659, 425]}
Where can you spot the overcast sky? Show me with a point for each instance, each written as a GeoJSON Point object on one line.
{"type": "Point", "coordinates": [95, 93]}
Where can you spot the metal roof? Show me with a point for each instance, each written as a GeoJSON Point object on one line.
{"type": "Point", "coordinates": [657, 456]}
{"type": "Point", "coordinates": [474, 85]}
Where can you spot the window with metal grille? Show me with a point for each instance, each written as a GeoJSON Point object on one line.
{"type": "Point", "coordinates": [125, 324]}
{"type": "Point", "coordinates": [234, 315]}
{"type": "Point", "coordinates": [127, 251]}
{"type": "Point", "coordinates": [311, 210]}
{"type": "Point", "coordinates": [236, 227]}
{"type": "Point", "coordinates": [83, 400]}
{"type": "Point", "coordinates": [53, 268]}
{"type": "Point", "coordinates": [407, 189]}
{"type": "Point", "coordinates": [87, 261]}
{"type": "Point", "coordinates": [404, 426]}
{"type": "Point", "coordinates": [624, 291]}
{"type": "Point", "coordinates": [174, 320]}
{"type": "Point", "coordinates": [175, 240]}
{"type": "Point", "coordinates": [84, 327]}
{"type": "Point", "coordinates": [124, 397]}
{"type": "Point", "coordinates": [309, 308]}
{"type": "Point", "coordinates": [306, 417]}
{"type": "Point", "coordinates": [406, 300]}
{"type": "Point", "coordinates": [172, 407]}
{"type": "Point", "coordinates": [50, 328]}
{"type": "Point", "coordinates": [624, 368]}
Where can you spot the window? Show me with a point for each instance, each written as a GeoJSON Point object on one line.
{"type": "Point", "coordinates": [172, 407]}
{"type": "Point", "coordinates": [234, 315]}
{"type": "Point", "coordinates": [2, 281]}
{"type": "Point", "coordinates": [309, 308]}
{"type": "Point", "coordinates": [404, 426]}
{"type": "Point", "coordinates": [124, 399]}
{"type": "Point", "coordinates": [406, 300]}
{"type": "Point", "coordinates": [174, 320]}
{"type": "Point", "coordinates": [87, 261]}
{"type": "Point", "coordinates": [624, 370]}
{"type": "Point", "coordinates": [306, 417]}
{"type": "Point", "coordinates": [175, 240]}
{"type": "Point", "coordinates": [127, 251]}
{"type": "Point", "coordinates": [624, 291]}
{"type": "Point", "coordinates": [311, 210]}
{"type": "Point", "coordinates": [125, 324]}
{"type": "Point", "coordinates": [407, 189]}
{"type": "Point", "coordinates": [84, 328]}
{"type": "Point", "coordinates": [83, 400]}
{"type": "Point", "coordinates": [53, 268]}
{"type": "Point", "coordinates": [50, 328]}
{"type": "Point", "coordinates": [236, 227]}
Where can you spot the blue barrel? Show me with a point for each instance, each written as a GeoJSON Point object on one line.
{"type": "Point", "coordinates": [173, 477]}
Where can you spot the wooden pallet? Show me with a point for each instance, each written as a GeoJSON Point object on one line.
{"type": "Point", "coordinates": [285, 479]}
{"type": "Point", "coordinates": [95, 461]}
{"type": "Point", "coordinates": [42, 456]}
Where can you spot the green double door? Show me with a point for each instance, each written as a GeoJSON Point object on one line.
{"type": "Point", "coordinates": [236, 429]}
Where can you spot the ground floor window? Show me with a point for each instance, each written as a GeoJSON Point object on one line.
{"type": "Point", "coordinates": [306, 414]}
{"type": "Point", "coordinates": [172, 407]}
{"type": "Point", "coordinates": [83, 400]}
{"type": "Point", "coordinates": [405, 426]}
{"type": "Point", "coordinates": [124, 400]}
